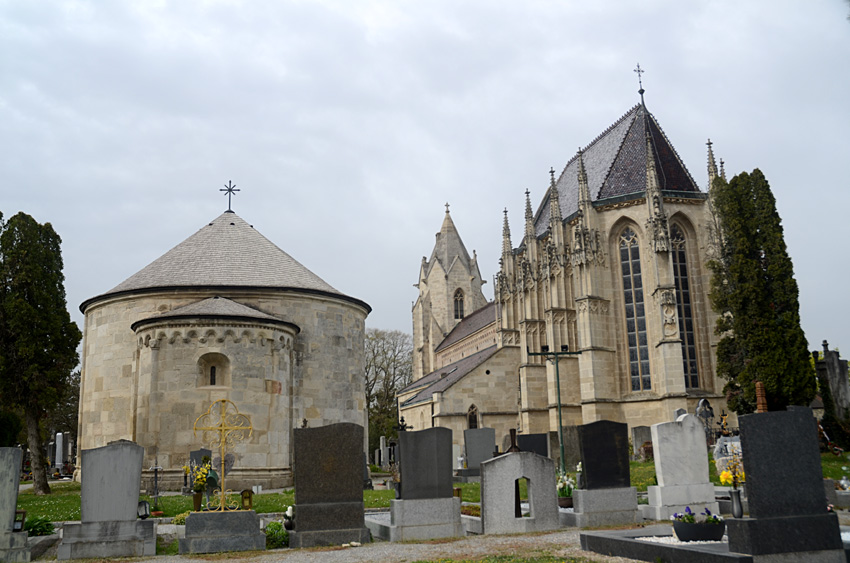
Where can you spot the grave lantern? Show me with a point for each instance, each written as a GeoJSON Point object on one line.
{"type": "Point", "coordinates": [144, 509]}
{"type": "Point", "coordinates": [247, 499]}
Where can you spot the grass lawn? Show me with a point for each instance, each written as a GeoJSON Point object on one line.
{"type": "Point", "coordinates": [64, 503]}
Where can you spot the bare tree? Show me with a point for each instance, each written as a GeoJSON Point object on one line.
{"type": "Point", "coordinates": [389, 368]}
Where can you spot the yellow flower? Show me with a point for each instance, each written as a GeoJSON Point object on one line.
{"type": "Point", "coordinates": [725, 478]}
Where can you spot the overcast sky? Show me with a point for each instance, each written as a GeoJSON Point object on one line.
{"type": "Point", "coordinates": [348, 125]}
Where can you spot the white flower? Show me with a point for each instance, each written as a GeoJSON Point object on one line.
{"type": "Point", "coordinates": [578, 467]}
{"type": "Point", "coordinates": [289, 512]}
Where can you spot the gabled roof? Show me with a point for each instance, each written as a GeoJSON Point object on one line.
{"type": "Point", "coordinates": [446, 376]}
{"type": "Point", "coordinates": [448, 246]}
{"type": "Point", "coordinates": [215, 308]}
{"type": "Point", "coordinates": [615, 163]}
{"type": "Point", "coordinates": [226, 253]}
{"type": "Point", "coordinates": [470, 325]}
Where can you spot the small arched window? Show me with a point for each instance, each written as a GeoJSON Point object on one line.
{"type": "Point", "coordinates": [212, 375]}
{"type": "Point", "coordinates": [472, 417]}
{"type": "Point", "coordinates": [458, 304]}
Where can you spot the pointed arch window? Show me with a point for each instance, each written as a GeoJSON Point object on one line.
{"type": "Point", "coordinates": [633, 306]}
{"type": "Point", "coordinates": [472, 417]}
{"type": "Point", "coordinates": [458, 304]}
{"type": "Point", "coordinates": [683, 302]}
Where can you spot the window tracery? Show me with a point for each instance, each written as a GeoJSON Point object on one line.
{"type": "Point", "coordinates": [683, 301]}
{"type": "Point", "coordinates": [635, 313]}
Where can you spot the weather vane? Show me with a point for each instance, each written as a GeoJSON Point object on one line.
{"type": "Point", "coordinates": [229, 189]}
{"type": "Point", "coordinates": [640, 71]}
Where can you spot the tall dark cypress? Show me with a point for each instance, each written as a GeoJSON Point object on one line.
{"type": "Point", "coordinates": [756, 295]}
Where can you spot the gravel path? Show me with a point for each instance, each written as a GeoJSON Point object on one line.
{"type": "Point", "coordinates": [560, 543]}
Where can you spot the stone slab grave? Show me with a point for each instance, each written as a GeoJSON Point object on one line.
{"type": "Point", "coordinates": [328, 486]}
{"type": "Point", "coordinates": [785, 492]}
{"type": "Point", "coordinates": [13, 545]}
{"type": "Point", "coordinates": [109, 498]}
{"type": "Point", "coordinates": [479, 444]}
{"type": "Point", "coordinates": [606, 497]}
{"type": "Point", "coordinates": [426, 508]}
{"type": "Point", "coordinates": [640, 436]}
{"type": "Point", "coordinates": [218, 532]}
{"type": "Point", "coordinates": [681, 467]}
{"type": "Point", "coordinates": [501, 512]}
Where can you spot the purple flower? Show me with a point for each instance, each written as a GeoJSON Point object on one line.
{"type": "Point", "coordinates": [688, 510]}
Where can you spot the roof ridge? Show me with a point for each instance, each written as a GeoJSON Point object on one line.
{"type": "Point", "coordinates": [673, 148]}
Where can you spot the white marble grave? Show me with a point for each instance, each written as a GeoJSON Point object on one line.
{"type": "Point", "coordinates": [13, 545]}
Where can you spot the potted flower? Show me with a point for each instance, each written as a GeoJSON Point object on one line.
{"type": "Point", "coordinates": [565, 486]}
{"type": "Point", "coordinates": [732, 475]}
{"type": "Point", "coordinates": [288, 518]}
{"type": "Point", "coordinates": [698, 527]}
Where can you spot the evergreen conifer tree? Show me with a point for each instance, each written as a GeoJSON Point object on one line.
{"type": "Point", "coordinates": [755, 293]}
{"type": "Point", "coordinates": [38, 340]}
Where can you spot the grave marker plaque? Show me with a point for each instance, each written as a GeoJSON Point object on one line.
{"type": "Point", "coordinates": [536, 443]}
{"type": "Point", "coordinates": [426, 463]}
{"type": "Point", "coordinates": [604, 447]}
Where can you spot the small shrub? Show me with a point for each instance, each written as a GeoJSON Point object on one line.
{"type": "Point", "coordinates": [38, 526]}
{"type": "Point", "coordinates": [276, 536]}
{"type": "Point", "coordinates": [180, 519]}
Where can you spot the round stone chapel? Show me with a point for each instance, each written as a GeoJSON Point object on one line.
{"type": "Point", "coordinates": [225, 314]}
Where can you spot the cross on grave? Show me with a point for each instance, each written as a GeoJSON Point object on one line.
{"type": "Point", "coordinates": [401, 426]}
{"type": "Point", "coordinates": [222, 426]}
{"type": "Point", "coordinates": [229, 189]}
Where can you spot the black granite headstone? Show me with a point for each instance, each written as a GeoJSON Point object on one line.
{"type": "Point", "coordinates": [196, 456]}
{"type": "Point", "coordinates": [787, 503]}
{"type": "Point", "coordinates": [604, 447]}
{"type": "Point", "coordinates": [572, 451]}
{"type": "Point", "coordinates": [426, 463]}
{"type": "Point", "coordinates": [537, 443]}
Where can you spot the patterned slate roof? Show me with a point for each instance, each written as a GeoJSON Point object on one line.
{"type": "Point", "coordinates": [470, 325]}
{"type": "Point", "coordinates": [615, 163]}
{"type": "Point", "coordinates": [213, 307]}
{"type": "Point", "coordinates": [228, 252]}
{"type": "Point", "coordinates": [447, 246]}
{"type": "Point", "coordinates": [446, 376]}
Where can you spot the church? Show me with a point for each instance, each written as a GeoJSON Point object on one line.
{"type": "Point", "coordinates": [225, 314]}
{"type": "Point", "coordinates": [601, 310]}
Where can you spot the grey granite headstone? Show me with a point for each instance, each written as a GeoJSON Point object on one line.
{"type": "Point", "coordinates": [479, 444]}
{"type": "Point", "coordinates": [426, 463]}
{"type": "Point", "coordinates": [13, 545]}
{"type": "Point", "coordinates": [785, 492]}
{"type": "Point", "coordinates": [498, 491]}
{"type": "Point", "coordinates": [196, 457]}
{"type": "Point", "coordinates": [60, 451]}
{"type": "Point", "coordinates": [640, 435]}
{"type": "Point", "coordinates": [217, 532]}
{"type": "Point", "coordinates": [681, 467]}
{"type": "Point", "coordinates": [328, 486]}
{"type": "Point", "coordinates": [536, 443]}
{"type": "Point", "coordinates": [111, 479]}
{"type": "Point", "coordinates": [604, 447]}
{"type": "Point", "coordinates": [678, 412]}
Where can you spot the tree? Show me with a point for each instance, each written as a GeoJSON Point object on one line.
{"type": "Point", "coordinates": [754, 291]}
{"type": "Point", "coordinates": [389, 367]}
{"type": "Point", "coordinates": [38, 340]}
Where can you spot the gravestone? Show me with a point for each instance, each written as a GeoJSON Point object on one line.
{"type": "Point", "coordinates": [640, 435]}
{"type": "Point", "coordinates": [109, 498]}
{"type": "Point", "coordinates": [605, 496]}
{"type": "Point", "coordinates": [196, 457]}
{"type": "Point", "coordinates": [426, 508]}
{"type": "Point", "coordinates": [59, 457]}
{"type": "Point", "coordinates": [499, 489]}
{"type": "Point", "coordinates": [479, 444]}
{"type": "Point", "coordinates": [678, 412]}
{"type": "Point", "coordinates": [681, 467]}
{"type": "Point", "coordinates": [788, 517]}
{"type": "Point", "coordinates": [726, 449]}
{"type": "Point", "coordinates": [572, 451]}
{"type": "Point", "coordinates": [229, 462]}
{"type": "Point", "coordinates": [385, 452]}
{"type": "Point", "coordinates": [328, 486]}
{"type": "Point", "coordinates": [13, 545]}
{"type": "Point", "coordinates": [367, 475]}
{"type": "Point", "coordinates": [536, 443]}
{"type": "Point", "coordinates": [217, 532]}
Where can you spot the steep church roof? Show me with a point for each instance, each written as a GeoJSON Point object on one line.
{"type": "Point", "coordinates": [470, 324]}
{"type": "Point", "coordinates": [226, 253]}
{"type": "Point", "coordinates": [440, 380]}
{"type": "Point", "coordinates": [615, 164]}
{"type": "Point", "coordinates": [448, 246]}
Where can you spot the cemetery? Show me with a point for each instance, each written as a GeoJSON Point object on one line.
{"type": "Point", "coordinates": [670, 498]}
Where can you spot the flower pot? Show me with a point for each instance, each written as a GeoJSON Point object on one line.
{"type": "Point", "coordinates": [737, 507]}
{"type": "Point", "coordinates": [699, 531]}
{"type": "Point", "coordinates": [196, 501]}
{"type": "Point", "coordinates": [565, 502]}
{"type": "Point", "coordinates": [288, 524]}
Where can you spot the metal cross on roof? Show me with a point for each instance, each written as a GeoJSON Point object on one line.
{"type": "Point", "coordinates": [229, 189]}
{"type": "Point", "coordinates": [447, 207]}
{"type": "Point", "coordinates": [640, 71]}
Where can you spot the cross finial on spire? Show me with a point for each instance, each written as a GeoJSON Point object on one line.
{"type": "Point", "coordinates": [552, 174]}
{"type": "Point", "coordinates": [640, 71]}
{"type": "Point", "coordinates": [229, 189]}
{"type": "Point", "coordinates": [447, 207]}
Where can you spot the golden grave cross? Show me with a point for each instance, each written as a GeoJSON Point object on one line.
{"type": "Point", "coordinates": [222, 426]}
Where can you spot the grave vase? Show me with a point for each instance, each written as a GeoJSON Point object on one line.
{"type": "Point", "coordinates": [699, 531]}
{"type": "Point", "coordinates": [565, 502]}
{"type": "Point", "coordinates": [197, 498]}
{"type": "Point", "coordinates": [737, 507]}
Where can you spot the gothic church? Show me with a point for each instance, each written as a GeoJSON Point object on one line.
{"type": "Point", "coordinates": [602, 308]}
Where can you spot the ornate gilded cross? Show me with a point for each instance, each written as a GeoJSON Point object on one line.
{"type": "Point", "coordinates": [222, 426]}
{"type": "Point", "coordinates": [229, 189]}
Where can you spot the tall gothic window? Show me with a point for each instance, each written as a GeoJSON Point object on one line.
{"type": "Point", "coordinates": [472, 417]}
{"type": "Point", "coordinates": [683, 301]}
{"type": "Point", "coordinates": [634, 308]}
{"type": "Point", "coordinates": [458, 304]}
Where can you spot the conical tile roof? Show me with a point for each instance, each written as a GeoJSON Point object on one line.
{"type": "Point", "coordinates": [615, 163]}
{"type": "Point", "coordinates": [228, 252]}
{"type": "Point", "coordinates": [214, 308]}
